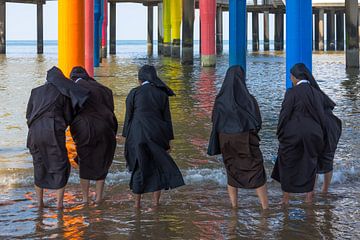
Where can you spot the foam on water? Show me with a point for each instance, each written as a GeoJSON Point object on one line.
{"type": "Point", "coordinates": [194, 176]}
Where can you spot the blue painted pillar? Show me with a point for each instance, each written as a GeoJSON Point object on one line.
{"type": "Point", "coordinates": [298, 35]}
{"type": "Point", "coordinates": [237, 32]}
{"type": "Point", "coordinates": [98, 7]}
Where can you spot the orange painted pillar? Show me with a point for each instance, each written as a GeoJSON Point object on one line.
{"type": "Point", "coordinates": [207, 16]}
{"type": "Point", "coordinates": [71, 45]}
{"type": "Point", "coordinates": [89, 37]}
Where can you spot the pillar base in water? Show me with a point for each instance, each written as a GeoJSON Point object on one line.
{"type": "Point", "coordinates": [187, 55]}
{"type": "Point", "coordinates": [175, 48]}
{"type": "Point", "coordinates": [149, 49]}
{"type": "Point", "coordinates": [352, 58]}
{"type": "Point", "coordinates": [104, 52]}
{"type": "Point", "coordinates": [160, 49]}
{"type": "Point", "coordinates": [208, 60]}
{"type": "Point", "coordinates": [167, 50]}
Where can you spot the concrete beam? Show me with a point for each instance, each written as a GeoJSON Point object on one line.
{"type": "Point", "coordinates": [150, 30]}
{"type": "Point", "coordinates": [188, 16]}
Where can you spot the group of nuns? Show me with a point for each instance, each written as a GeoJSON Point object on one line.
{"type": "Point", "coordinates": [308, 134]}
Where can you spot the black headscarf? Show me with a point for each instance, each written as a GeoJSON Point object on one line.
{"type": "Point", "coordinates": [148, 73]}
{"type": "Point", "coordinates": [80, 72]}
{"type": "Point", "coordinates": [235, 109]}
{"type": "Point", "coordinates": [76, 93]}
{"type": "Point", "coordinates": [301, 72]}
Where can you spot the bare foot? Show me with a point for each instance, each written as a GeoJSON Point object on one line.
{"type": "Point", "coordinates": [41, 204]}
{"type": "Point", "coordinates": [60, 206]}
{"type": "Point", "coordinates": [309, 197]}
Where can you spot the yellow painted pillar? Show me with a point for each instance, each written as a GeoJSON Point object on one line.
{"type": "Point", "coordinates": [71, 31]}
{"type": "Point", "coordinates": [167, 27]}
{"type": "Point", "coordinates": [71, 46]}
{"type": "Point", "coordinates": [176, 17]}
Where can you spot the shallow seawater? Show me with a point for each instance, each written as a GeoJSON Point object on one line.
{"type": "Point", "coordinates": [199, 210]}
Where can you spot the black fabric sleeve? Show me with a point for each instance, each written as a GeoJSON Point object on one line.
{"type": "Point", "coordinates": [29, 107]}
{"type": "Point", "coordinates": [167, 118]}
{"type": "Point", "coordinates": [68, 110]}
{"type": "Point", "coordinates": [129, 112]}
{"type": "Point", "coordinates": [286, 110]}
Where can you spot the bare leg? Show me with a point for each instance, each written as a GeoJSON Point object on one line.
{"type": "Point", "coordinates": [60, 197]}
{"type": "Point", "coordinates": [233, 192]}
{"type": "Point", "coordinates": [99, 190]}
{"type": "Point", "coordinates": [309, 197]}
{"type": "Point", "coordinates": [262, 194]}
{"type": "Point", "coordinates": [327, 181]}
{"type": "Point", "coordinates": [137, 200]}
{"type": "Point", "coordinates": [85, 190]}
{"type": "Point", "coordinates": [285, 199]}
{"type": "Point", "coordinates": [39, 196]}
{"type": "Point", "coordinates": [156, 198]}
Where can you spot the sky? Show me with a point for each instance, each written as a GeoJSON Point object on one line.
{"type": "Point", "coordinates": [131, 22]}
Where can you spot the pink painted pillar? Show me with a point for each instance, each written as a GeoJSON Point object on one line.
{"type": "Point", "coordinates": [104, 30]}
{"type": "Point", "coordinates": [89, 37]}
{"type": "Point", "coordinates": [207, 16]}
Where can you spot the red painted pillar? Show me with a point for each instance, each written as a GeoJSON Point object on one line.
{"type": "Point", "coordinates": [89, 37]}
{"type": "Point", "coordinates": [104, 30]}
{"type": "Point", "coordinates": [207, 16]}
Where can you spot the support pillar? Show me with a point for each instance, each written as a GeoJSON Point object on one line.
{"type": "Point", "coordinates": [160, 29]}
{"type": "Point", "coordinates": [150, 30]}
{"type": "Point", "coordinates": [98, 7]}
{"type": "Point", "coordinates": [255, 29]}
{"type": "Point", "coordinates": [104, 31]}
{"type": "Point", "coordinates": [188, 14]}
{"type": "Point", "coordinates": [298, 35]}
{"type": "Point", "coordinates": [89, 37]}
{"type": "Point", "coordinates": [40, 29]}
{"type": "Point", "coordinates": [112, 27]}
{"type": "Point", "coordinates": [219, 30]}
{"type": "Point", "coordinates": [167, 28]}
{"type": "Point", "coordinates": [207, 15]}
{"type": "Point", "coordinates": [352, 34]}
{"type": "Point", "coordinates": [330, 28]}
{"type": "Point", "coordinates": [2, 27]}
{"type": "Point", "coordinates": [237, 33]}
{"type": "Point", "coordinates": [71, 32]}
{"type": "Point", "coordinates": [340, 31]}
{"type": "Point", "coordinates": [176, 17]}
{"type": "Point", "coordinates": [319, 30]}
{"type": "Point", "coordinates": [279, 31]}
{"type": "Point", "coordinates": [266, 31]}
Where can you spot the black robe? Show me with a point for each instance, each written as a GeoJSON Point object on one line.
{"type": "Point", "coordinates": [148, 131]}
{"type": "Point", "coordinates": [94, 131]}
{"type": "Point", "coordinates": [301, 139]}
{"type": "Point", "coordinates": [332, 123]}
{"type": "Point", "coordinates": [235, 109]}
{"type": "Point", "coordinates": [236, 121]}
{"type": "Point", "coordinates": [48, 114]}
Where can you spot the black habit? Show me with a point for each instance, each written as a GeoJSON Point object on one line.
{"type": "Point", "coordinates": [332, 122]}
{"type": "Point", "coordinates": [301, 138]}
{"type": "Point", "coordinates": [49, 112]}
{"type": "Point", "coordinates": [148, 131]}
{"type": "Point", "coordinates": [236, 122]}
{"type": "Point", "coordinates": [94, 128]}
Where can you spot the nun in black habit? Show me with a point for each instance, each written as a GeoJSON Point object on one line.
{"type": "Point", "coordinates": [148, 132]}
{"type": "Point", "coordinates": [300, 132]}
{"type": "Point", "coordinates": [332, 128]}
{"type": "Point", "coordinates": [49, 112]}
{"type": "Point", "coordinates": [236, 122]}
{"type": "Point", "coordinates": [94, 132]}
